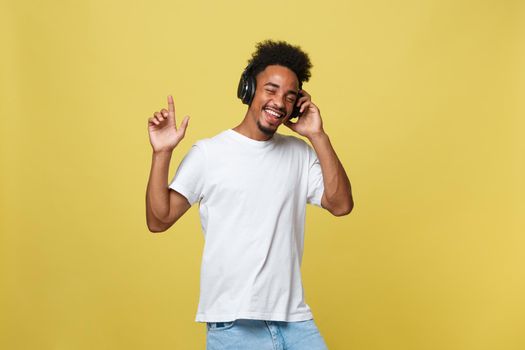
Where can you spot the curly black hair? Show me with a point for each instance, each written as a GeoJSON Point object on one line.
{"type": "Point", "coordinates": [270, 52]}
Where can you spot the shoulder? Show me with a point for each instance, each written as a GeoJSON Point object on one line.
{"type": "Point", "coordinates": [293, 141]}
{"type": "Point", "coordinates": [299, 146]}
{"type": "Point", "coordinates": [213, 140]}
{"type": "Point", "coordinates": [211, 146]}
{"type": "Point", "coordinates": [209, 141]}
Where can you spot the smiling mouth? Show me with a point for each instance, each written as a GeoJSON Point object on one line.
{"type": "Point", "coordinates": [272, 115]}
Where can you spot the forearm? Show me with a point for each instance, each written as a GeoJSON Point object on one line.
{"type": "Point", "coordinates": [337, 188]}
{"type": "Point", "coordinates": [157, 193]}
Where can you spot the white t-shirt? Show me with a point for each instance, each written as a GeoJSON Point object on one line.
{"type": "Point", "coordinates": [252, 201]}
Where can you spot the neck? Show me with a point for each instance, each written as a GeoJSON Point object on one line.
{"type": "Point", "coordinates": [249, 128]}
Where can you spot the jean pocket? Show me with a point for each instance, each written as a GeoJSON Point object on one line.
{"type": "Point", "coordinates": [219, 326]}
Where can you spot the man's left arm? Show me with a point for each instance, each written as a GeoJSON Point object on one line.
{"type": "Point", "coordinates": [337, 196]}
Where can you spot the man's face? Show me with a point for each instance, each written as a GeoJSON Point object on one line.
{"type": "Point", "coordinates": [275, 96]}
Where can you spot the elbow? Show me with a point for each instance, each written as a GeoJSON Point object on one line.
{"type": "Point", "coordinates": [156, 224]}
{"type": "Point", "coordinates": [341, 207]}
{"type": "Point", "coordinates": [155, 228]}
{"type": "Point", "coordinates": [343, 210]}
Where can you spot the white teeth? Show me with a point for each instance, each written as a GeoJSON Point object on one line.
{"type": "Point", "coordinates": [275, 114]}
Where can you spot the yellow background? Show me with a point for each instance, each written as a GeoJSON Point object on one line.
{"type": "Point", "coordinates": [424, 104]}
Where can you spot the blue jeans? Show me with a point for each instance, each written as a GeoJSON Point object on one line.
{"type": "Point", "coordinates": [245, 334]}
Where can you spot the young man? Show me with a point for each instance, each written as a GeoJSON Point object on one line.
{"type": "Point", "coordinates": [252, 185]}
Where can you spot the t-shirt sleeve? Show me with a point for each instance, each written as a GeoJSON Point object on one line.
{"type": "Point", "coordinates": [189, 177]}
{"type": "Point", "coordinates": [315, 179]}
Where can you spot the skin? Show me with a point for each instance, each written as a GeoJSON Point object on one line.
{"type": "Point", "coordinates": [277, 89]}
{"type": "Point", "coordinates": [164, 206]}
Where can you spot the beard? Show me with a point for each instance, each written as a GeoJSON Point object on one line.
{"type": "Point", "coordinates": [265, 130]}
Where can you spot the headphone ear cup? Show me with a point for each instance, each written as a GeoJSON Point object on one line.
{"type": "Point", "coordinates": [297, 109]}
{"type": "Point", "coordinates": [250, 90]}
{"type": "Point", "coordinates": [241, 89]}
{"type": "Point", "coordinates": [246, 88]}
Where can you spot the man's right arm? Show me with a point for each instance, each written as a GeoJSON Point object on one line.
{"type": "Point", "coordinates": [164, 206]}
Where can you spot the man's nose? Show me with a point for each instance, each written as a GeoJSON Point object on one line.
{"type": "Point", "coordinates": [279, 101]}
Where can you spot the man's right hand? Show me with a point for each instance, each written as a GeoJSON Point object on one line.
{"type": "Point", "coordinates": [163, 133]}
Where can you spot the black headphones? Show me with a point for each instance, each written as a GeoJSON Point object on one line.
{"type": "Point", "coordinates": [248, 84]}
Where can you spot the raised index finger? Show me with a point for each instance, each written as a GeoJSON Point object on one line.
{"type": "Point", "coordinates": [171, 106]}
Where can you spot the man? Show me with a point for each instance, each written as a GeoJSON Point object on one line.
{"type": "Point", "coordinates": [252, 185]}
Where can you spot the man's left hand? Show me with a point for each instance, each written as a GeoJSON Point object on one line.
{"type": "Point", "coordinates": [309, 123]}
